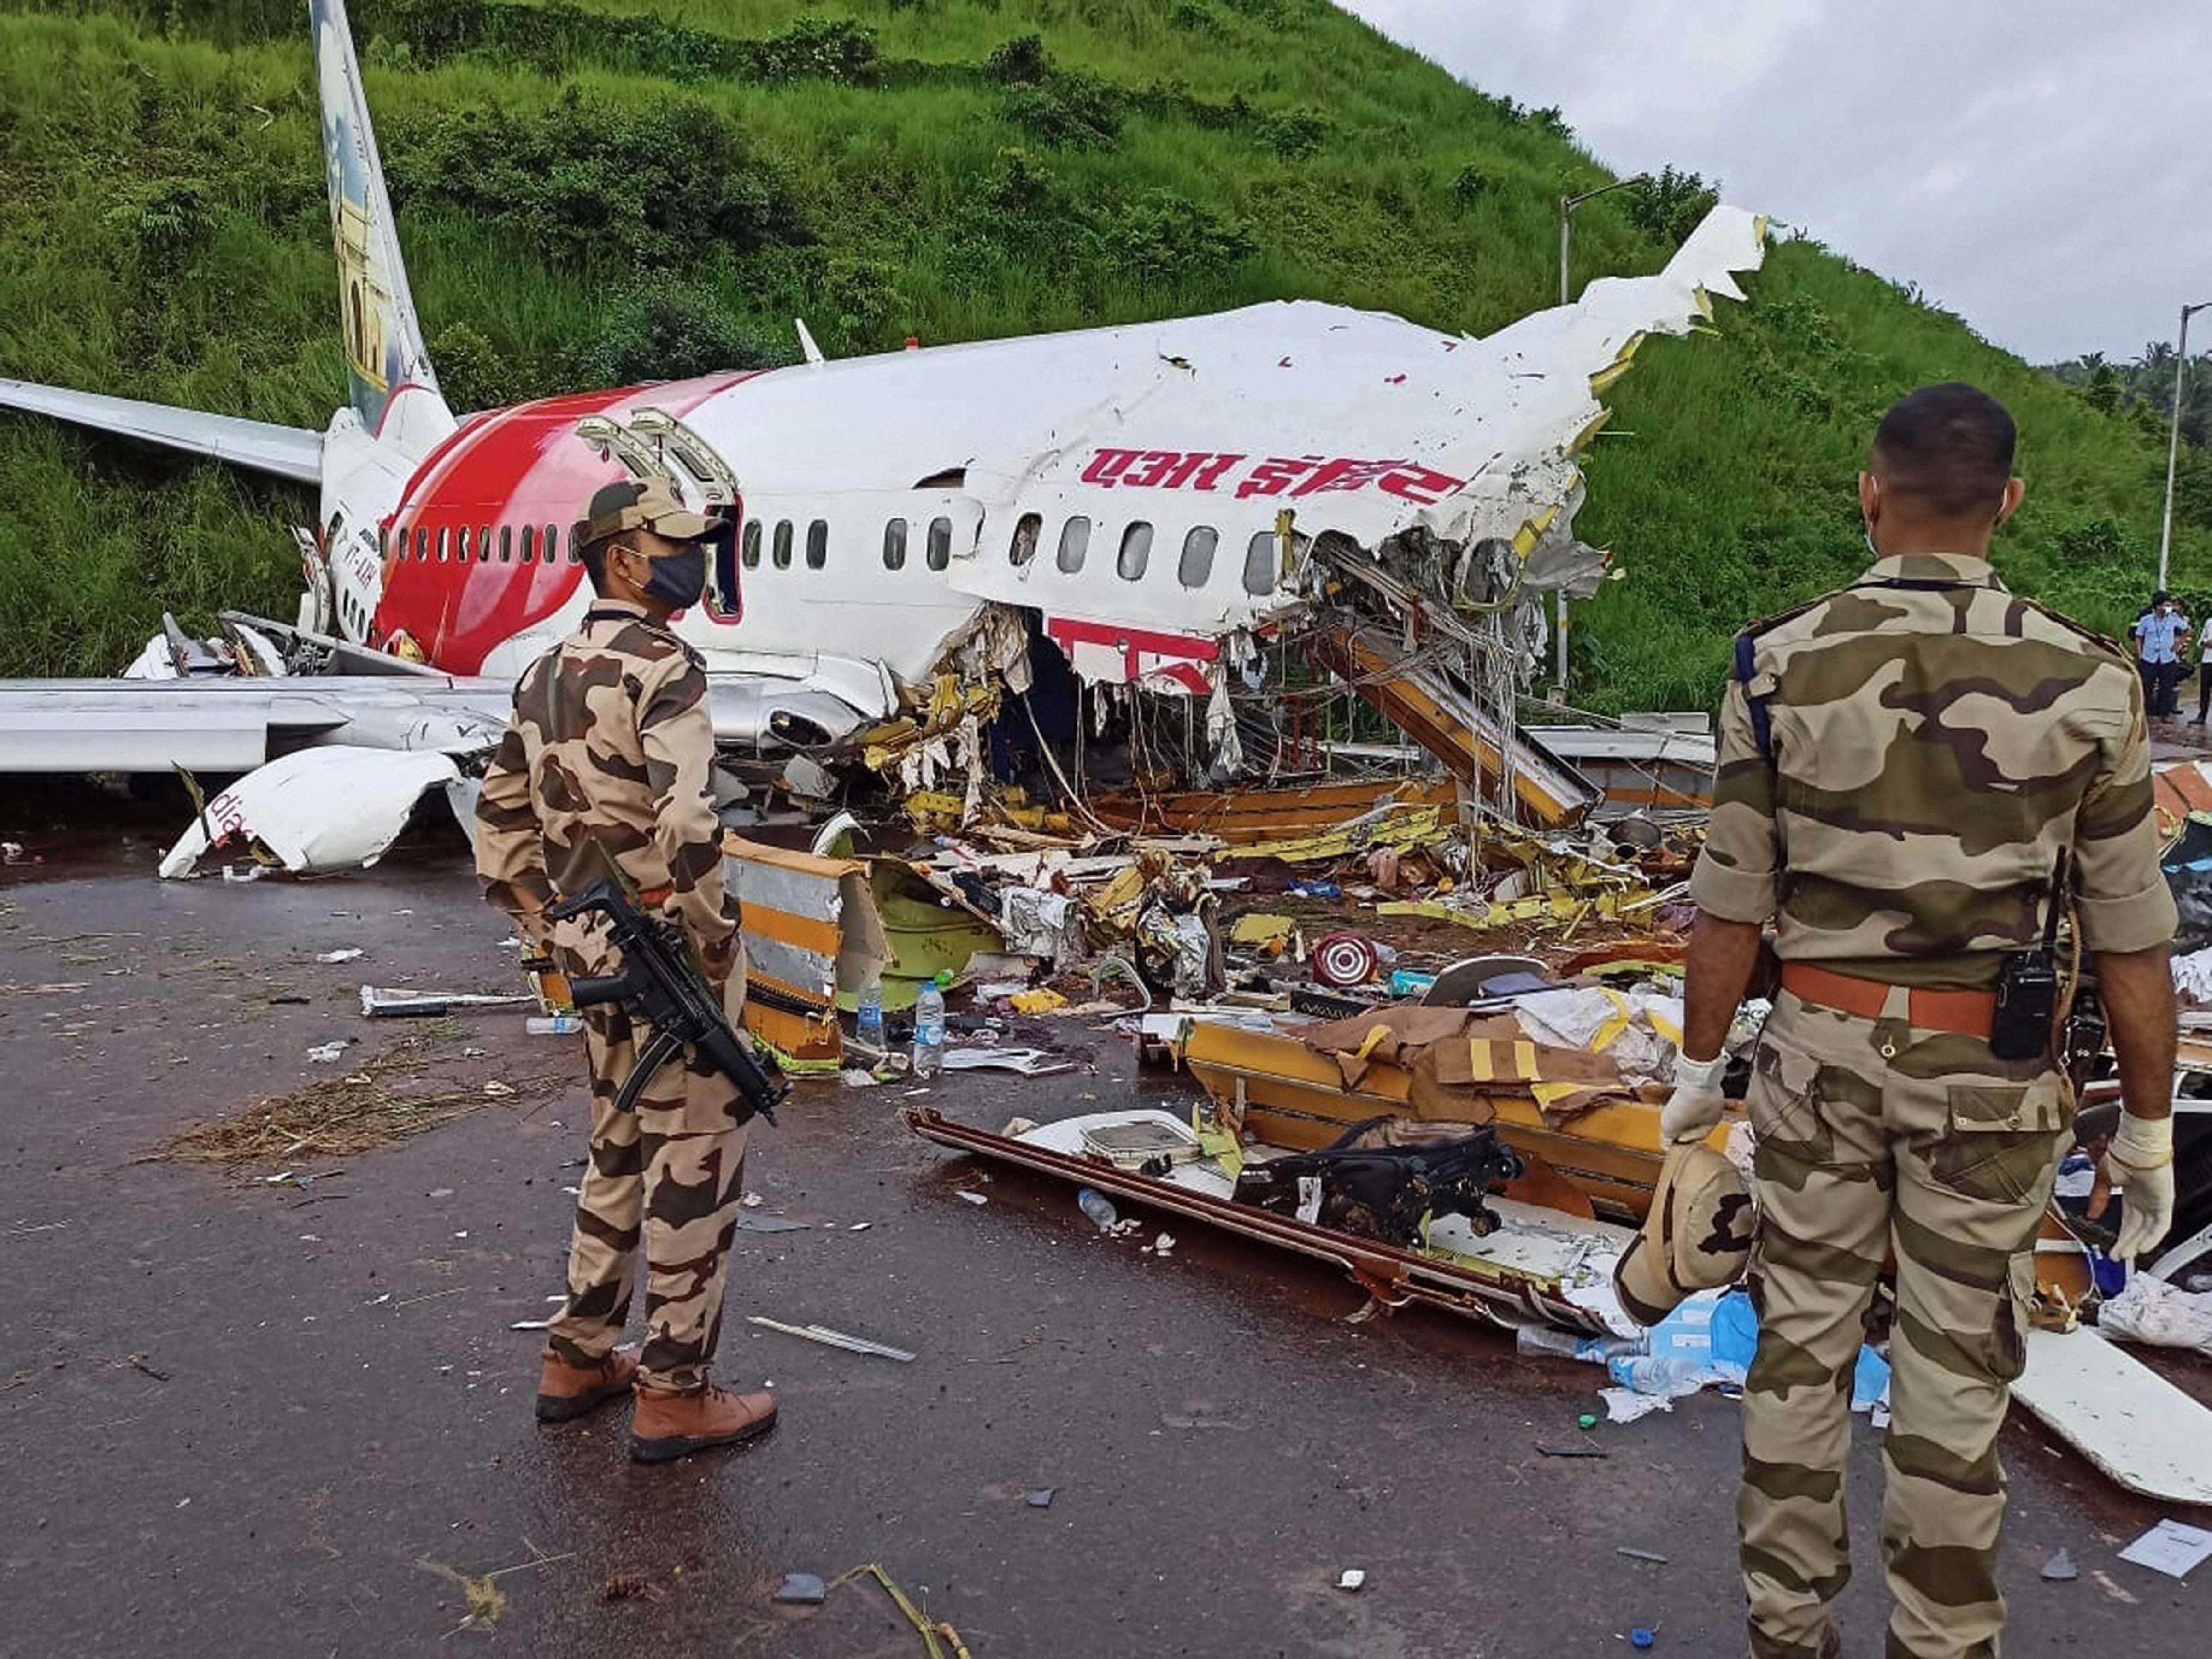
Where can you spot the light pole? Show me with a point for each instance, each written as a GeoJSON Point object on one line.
{"type": "Point", "coordinates": [1567, 206]}
{"type": "Point", "coordinates": [2173, 438]}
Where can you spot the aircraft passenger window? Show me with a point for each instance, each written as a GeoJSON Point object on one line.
{"type": "Point", "coordinates": [895, 545]}
{"type": "Point", "coordinates": [782, 554]}
{"type": "Point", "coordinates": [1197, 562]}
{"type": "Point", "coordinates": [1074, 543]}
{"type": "Point", "coordinates": [939, 554]}
{"type": "Point", "coordinates": [1027, 529]}
{"type": "Point", "coordinates": [1260, 564]}
{"type": "Point", "coordinates": [483, 544]}
{"type": "Point", "coordinates": [529, 543]}
{"type": "Point", "coordinates": [818, 544]}
{"type": "Point", "coordinates": [751, 554]}
{"type": "Point", "coordinates": [383, 542]}
{"type": "Point", "coordinates": [445, 542]}
{"type": "Point", "coordinates": [548, 550]}
{"type": "Point", "coordinates": [1136, 551]}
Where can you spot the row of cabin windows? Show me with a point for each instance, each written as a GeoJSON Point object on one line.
{"type": "Point", "coordinates": [937, 548]}
{"type": "Point", "coordinates": [449, 545]}
{"type": "Point", "coordinates": [1193, 565]}
{"type": "Point", "coordinates": [818, 544]}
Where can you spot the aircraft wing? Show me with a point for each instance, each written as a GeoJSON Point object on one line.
{"type": "Point", "coordinates": [221, 724]}
{"type": "Point", "coordinates": [225, 725]}
{"type": "Point", "coordinates": [288, 452]}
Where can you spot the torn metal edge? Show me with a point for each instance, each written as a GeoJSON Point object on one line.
{"type": "Point", "coordinates": [1394, 1278]}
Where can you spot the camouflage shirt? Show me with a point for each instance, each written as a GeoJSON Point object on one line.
{"type": "Point", "coordinates": [1937, 741]}
{"type": "Point", "coordinates": [608, 753]}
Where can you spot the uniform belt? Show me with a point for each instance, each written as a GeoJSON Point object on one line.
{"type": "Point", "coordinates": [651, 897]}
{"type": "Point", "coordinates": [1967, 1013]}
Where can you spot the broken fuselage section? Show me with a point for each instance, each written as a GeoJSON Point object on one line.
{"type": "Point", "coordinates": [1159, 510]}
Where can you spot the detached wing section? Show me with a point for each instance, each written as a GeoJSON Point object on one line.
{"type": "Point", "coordinates": [288, 452]}
{"type": "Point", "coordinates": [218, 724]}
{"type": "Point", "coordinates": [235, 725]}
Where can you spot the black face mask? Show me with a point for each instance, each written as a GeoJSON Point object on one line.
{"type": "Point", "coordinates": [679, 579]}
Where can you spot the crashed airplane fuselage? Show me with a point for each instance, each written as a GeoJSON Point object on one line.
{"type": "Point", "coordinates": [1149, 493]}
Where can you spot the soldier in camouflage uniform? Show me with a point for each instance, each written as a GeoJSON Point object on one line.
{"type": "Point", "coordinates": [606, 761]}
{"type": "Point", "coordinates": [1901, 766]}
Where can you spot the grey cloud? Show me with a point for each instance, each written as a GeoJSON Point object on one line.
{"type": "Point", "coordinates": [2037, 168]}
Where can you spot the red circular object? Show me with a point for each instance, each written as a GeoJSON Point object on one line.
{"type": "Point", "coordinates": [1341, 961]}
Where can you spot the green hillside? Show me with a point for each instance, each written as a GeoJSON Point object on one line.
{"type": "Point", "coordinates": [592, 192]}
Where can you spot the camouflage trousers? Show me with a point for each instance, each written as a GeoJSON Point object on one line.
{"type": "Point", "coordinates": [1876, 1138]}
{"type": "Point", "coordinates": [668, 1175]}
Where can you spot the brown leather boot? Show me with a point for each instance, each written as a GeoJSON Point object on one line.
{"type": "Point", "coordinates": [566, 1391]}
{"type": "Point", "coordinates": [667, 1425]}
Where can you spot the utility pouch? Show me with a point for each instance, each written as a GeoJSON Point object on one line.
{"type": "Point", "coordinates": [2027, 987]}
{"type": "Point", "coordinates": [2081, 1038]}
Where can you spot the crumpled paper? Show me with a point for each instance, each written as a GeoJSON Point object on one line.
{"type": "Point", "coordinates": [2149, 1310]}
{"type": "Point", "coordinates": [1038, 923]}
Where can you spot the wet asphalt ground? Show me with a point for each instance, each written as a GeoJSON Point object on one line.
{"type": "Point", "coordinates": [242, 1418]}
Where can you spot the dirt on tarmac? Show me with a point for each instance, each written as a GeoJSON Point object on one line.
{"type": "Point", "coordinates": [241, 1415]}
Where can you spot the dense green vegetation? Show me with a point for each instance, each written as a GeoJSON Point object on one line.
{"type": "Point", "coordinates": [588, 192]}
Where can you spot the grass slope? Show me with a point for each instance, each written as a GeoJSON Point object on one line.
{"type": "Point", "coordinates": [887, 167]}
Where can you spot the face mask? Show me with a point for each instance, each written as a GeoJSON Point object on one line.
{"type": "Point", "coordinates": [679, 579]}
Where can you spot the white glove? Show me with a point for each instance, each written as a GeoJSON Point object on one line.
{"type": "Point", "coordinates": [1697, 1103]}
{"type": "Point", "coordinates": [2141, 1160]}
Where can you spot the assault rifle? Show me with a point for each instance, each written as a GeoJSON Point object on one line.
{"type": "Point", "coordinates": [663, 988]}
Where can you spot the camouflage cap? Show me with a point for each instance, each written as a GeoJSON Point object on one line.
{"type": "Point", "coordinates": [1698, 1236]}
{"type": "Point", "coordinates": [638, 504]}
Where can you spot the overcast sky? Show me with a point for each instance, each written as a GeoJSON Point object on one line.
{"type": "Point", "coordinates": [2044, 169]}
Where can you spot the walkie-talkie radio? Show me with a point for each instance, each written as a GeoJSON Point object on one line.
{"type": "Point", "coordinates": [2027, 987]}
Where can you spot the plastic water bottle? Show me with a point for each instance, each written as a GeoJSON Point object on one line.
{"type": "Point", "coordinates": [1100, 1208]}
{"type": "Point", "coordinates": [929, 1027]}
{"type": "Point", "coordinates": [1669, 1377]}
{"type": "Point", "coordinates": [868, 1013]}
{"type": "Point", "coordinates": [553, 1024]}
{"type": "Point", "coordinates": [1565, 1344]}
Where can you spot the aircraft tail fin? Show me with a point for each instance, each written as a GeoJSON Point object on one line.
{"type": "Point", "coordinates": [384, 348]}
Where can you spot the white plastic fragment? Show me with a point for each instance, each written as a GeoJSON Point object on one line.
{"type": "Point", "coordinates": [1626, 1406]}
{"type": "Point", "coordinates": [326, 1053]}
{"type": "Point", "coordinates": [1352, 1578]}
{"type": "Point", "coordinates": [333, 808]}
